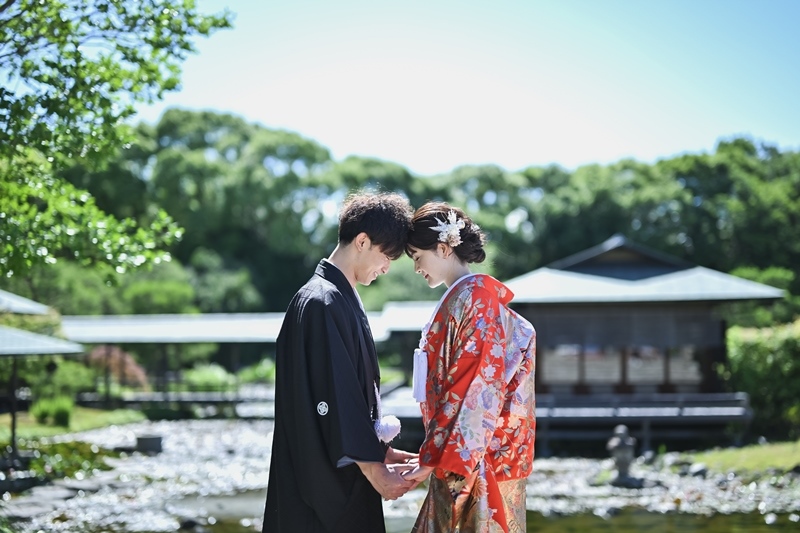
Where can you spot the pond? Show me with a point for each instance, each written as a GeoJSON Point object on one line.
{"type": "Point", "coordinates": [213, 473]}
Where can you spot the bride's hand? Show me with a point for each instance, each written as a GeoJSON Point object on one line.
{"type": "Point", "coordinates": [418, 474]}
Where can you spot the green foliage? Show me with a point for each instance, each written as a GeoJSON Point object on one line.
{"type": "Point", "coordinates": [68, 379]}
{"type": "Point", "coordinates": [41, 410]}
{"type": "Point", "coordinates": [751, 459]}
{"type": "Point", "coordinates": [221, 289]}
{"type": "Point", "coordinates": [69, 287]}
{"type": "Point", "coordinates": [210, 377]}
{"type": "Point", "coordinates": [401, 283]}
{"type": "Point", "coordinates": [75, 68]}
{"type": "Point", "coordinates": [46, 219]}
{"type": "Point", "coordinates": [263, 372]}
{"type": "Point", "coordinates": [59, 409]}
{"type": "Point", "coordinates": [62, 410]}
{"type": "Point", "coordinates": [82, 419]}
{"type": "Point", "coordinates": [67, 459]}
{"type": "Point", "coordinates": [73, 71]}
{"type": "Point", "coordinates": [72, 377]}
{"type": "Point", "coordinates": [164, 289]}
{"type": "Point", "coordinates": [751, 314]}
{"type": "Point", "coordinates": [30, 369]}
{"type": "Point", "coordinates": [765, 363]}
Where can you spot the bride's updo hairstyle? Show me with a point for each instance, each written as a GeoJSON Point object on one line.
{"type": "Point", "coordinates": [439, 222]}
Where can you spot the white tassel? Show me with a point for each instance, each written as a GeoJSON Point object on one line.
{"type": "Point", "coordinates": [386, 427]}
{"type": "Point", "coordinates": [420, 374]}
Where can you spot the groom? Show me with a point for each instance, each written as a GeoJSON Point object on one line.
{"type": "Point", "coordinates": [329, 469]}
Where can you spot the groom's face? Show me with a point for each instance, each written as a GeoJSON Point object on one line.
{"type": "Point", "coordinates": [372, 262]}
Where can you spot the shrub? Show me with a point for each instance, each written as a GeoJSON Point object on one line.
{"type": "Point", "coordinates": [62, 410]}
{"type": "Point", "coordinates": [765, 363]}
{"type": "Point", "coordinates": [263, 372]}
{"type": "Point", "coordinates": [211, 377]}
{"type": "Point", "coordinates": [41, 410]}
{"type": "Point", "coordinates": [59, 408]}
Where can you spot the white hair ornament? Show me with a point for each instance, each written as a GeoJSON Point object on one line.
{"type": "Point", "coordinates": [450, 230]}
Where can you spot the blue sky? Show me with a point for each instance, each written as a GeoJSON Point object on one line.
{"type": "Point", "coordinates": [436, 84]}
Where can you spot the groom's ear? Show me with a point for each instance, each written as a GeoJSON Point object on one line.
{"type": "Point", "coordinates": [361, 241]}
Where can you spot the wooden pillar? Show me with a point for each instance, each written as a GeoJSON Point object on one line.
{"type": "Point", "coordinates": [646, 438]}
{"type": "Point", "coordinates": [178, 363]}
{"type": "Point", "coordinates": [107, 375]}
{"type": "Point", "coordinates": [538, 364]}
{"type": "Point", "coordinates": [13, 399]}
{"type": "Point", "coordinates": [666, 385]}
{"type": "Point", "coordinates": [164, 369]}
{"type": "Point", "coordinates": [123, 363]}
{"type": "Point", "coordinates": [235, 366]}
{"type": "Point", "coordinates": [623, 387]}
{"type": "Point", "coordinates": [582, 387]}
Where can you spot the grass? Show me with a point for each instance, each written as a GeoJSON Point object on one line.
{"type": "Point", "coordinates": [755, 458]}
{"type": "Point", "coordinates": [82, 419]}
{"type": "Point", "coordinates": [389, 374]}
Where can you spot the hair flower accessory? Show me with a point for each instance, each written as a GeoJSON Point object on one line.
{"type": "Point", "coordinates": [450, 231]}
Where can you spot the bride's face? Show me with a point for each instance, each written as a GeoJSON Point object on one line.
{"type": "Point", "coordinates": [431, 264]}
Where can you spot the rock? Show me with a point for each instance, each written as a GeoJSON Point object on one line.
{"type": "Point", "coordinates": [649, 457]}
{"type": "Point", "coordinates": [698, 470]}
{"type": "Point", "coordinates": [189, 523]}
{"type": "Point", "coordinates": [149, 444]}
{"type": "Point", "coordinates": [86, 485]}
{"type": "Point", "coordinates": [25, 509]}
{"type": "Point", "coordinates": [52, 492]}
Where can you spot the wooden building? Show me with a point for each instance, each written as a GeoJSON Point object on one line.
{"type": "Point", "coordinates": [621, 318]}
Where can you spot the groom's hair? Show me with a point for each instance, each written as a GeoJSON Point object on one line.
{"type": "Point", "coordinates": [384, 217]}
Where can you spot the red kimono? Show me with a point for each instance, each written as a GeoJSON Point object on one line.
{"type": "Point", "coordinates": [478, 410]}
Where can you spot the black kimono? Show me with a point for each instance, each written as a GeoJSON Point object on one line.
{"type": "Point", "coordinates": [326, 371]}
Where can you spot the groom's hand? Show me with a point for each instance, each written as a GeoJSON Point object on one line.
{"type": "Point", "coordinates": [399, 456]}
{"type": "Point", "coordinates": [387, 480]}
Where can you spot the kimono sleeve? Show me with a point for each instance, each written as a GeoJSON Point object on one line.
{"type": "Point", "coordinates": [464, 413]}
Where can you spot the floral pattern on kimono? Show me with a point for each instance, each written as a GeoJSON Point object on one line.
{"type": "Point", "coordinates": [479, 410]}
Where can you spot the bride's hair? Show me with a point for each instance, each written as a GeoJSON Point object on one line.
{"type": "Point", "coordinates": [424, 236]}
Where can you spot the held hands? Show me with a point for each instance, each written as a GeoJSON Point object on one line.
{"type": "Point", "coordinates": [411, 469]}
{"type": "Point", "coordinates": [401, 457]}
{"type": "Point", "coordinates": [402, 462]}
{"type": "Point", "coordinates": [418, 474]}
{"type": "Point", "coordinates": [387, 479]}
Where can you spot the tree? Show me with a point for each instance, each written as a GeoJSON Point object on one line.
{"type": "Point", "coordinates": [246, 193]}
{"type": "Point", "coordinates": [72, 72]}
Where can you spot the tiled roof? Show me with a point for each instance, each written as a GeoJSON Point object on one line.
{"type": "Point", "coordinates": [11, 303]}
{"type": "Point", "coordinates": [698, 284]}
{"type": "Point", "coordinates": [19, 342]}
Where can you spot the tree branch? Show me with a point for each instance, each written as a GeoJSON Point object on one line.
{"type": "Point", "coordinates": [6, 5]}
